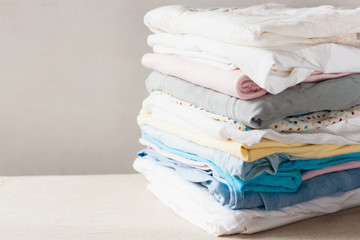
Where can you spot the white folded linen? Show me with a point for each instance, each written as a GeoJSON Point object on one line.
{"type": "Point", "coordinates": [263, 25]}
{"type": "Point", "coordinates": [194, 203]}
{"type": "Point", "coordinates": [164, 108]}
{"type": "Point", "coordinates": [272, 69]}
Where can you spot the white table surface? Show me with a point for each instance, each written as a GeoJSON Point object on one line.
{"type": "Point", "coordinates": [119, 207]}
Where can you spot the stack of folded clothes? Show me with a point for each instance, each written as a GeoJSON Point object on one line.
{"type": "Point", "coordinates": [253, 118]}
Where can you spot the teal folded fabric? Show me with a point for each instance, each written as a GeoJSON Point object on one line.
{"type": "Point", "coordinates": [286, 178]}
{"type": "Point", "coordinates": [336, 94]}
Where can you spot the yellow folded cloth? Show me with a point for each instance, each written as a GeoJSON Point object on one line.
{"type": "Point", "coordinates": [249, 154]}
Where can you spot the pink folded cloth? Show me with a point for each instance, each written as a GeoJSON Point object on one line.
{"type": "Point", "coordinates": [318, 76]}
{"type": "Point", "coordinates": [334, 168]}
{"type": "Point", "coordinates": [234, 83]}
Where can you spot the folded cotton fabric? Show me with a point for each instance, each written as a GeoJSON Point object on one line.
{"type": "Point", "coordinates": [249, 154]}
{"type": "Point", "coordinates": [334, 168]}
{"type": "Point", "coordinates": [262, 25]}
{"type": "Point", "coordinates": [336, 94]}
{"type": "Point", "coordinates": [315, 120]}
{"type": "Point", "coordinates": [272, 69]}
{"type": "Point", "coordinates": [287, 178]}
{"type": "Point", "coordinates": [333, 127]}
{"type": "Point", "coordinates": [198, 56]}
{"type": "Point", "coordinates": [264, 183]}
{"type": "Point", "coordinates": [234, 83]}
{"type": "Point", "coordinates": [180, 148]}
{"type": "Point", "coordinates": [194, 203]}
{"type": "Point", "coordinates": [306, 175]}
{"type": "Point", "coordinates": [162, 102]}
{"type": "Point", "coordinates": [227, 195]}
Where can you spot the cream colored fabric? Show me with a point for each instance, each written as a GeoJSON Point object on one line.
{"type": "Point", "coordinates": [264, 148]}
{"type": "Point", "coordinates": [262, 25]}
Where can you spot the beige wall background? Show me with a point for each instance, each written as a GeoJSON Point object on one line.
{"type": "Point", "coordinates": [71, 82]}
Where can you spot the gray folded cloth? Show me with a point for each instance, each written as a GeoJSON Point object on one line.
{"type": "Point", "coordinates": [335, 94]}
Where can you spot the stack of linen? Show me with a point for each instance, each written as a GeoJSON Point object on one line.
{"type": "Point", "coordinates": [253, 118]}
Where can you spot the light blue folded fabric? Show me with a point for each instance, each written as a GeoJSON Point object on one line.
{"type": "Point", "coordinates": [280, 172]}
{"type": "Point", "coordinates": [222, 192]}
{"type": "Point", "coordinates": [323, 185]}
{"type": "Point", "coordinates": [263, 183]}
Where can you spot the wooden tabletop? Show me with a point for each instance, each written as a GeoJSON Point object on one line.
{"type": "Point", "coordinates": [119, 207]}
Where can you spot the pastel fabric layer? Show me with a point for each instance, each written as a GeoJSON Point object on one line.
{"type": "Point", "coordinates": [205, 166]}
{"type": "Point", "coordinates": [249, 154]}
{"type": "Point", "coordinates": [275, 69]}
{"type": "Point", "coordinates": [201, 165]}
{"type": "Point", "coordinates": [315, 120]}
{"type": "Point", "coordinates": [195, 203]}
{"type": "Point", "coordinates": [234, 83]}
{"type": "Point", "coordinates": [287, 178]}
{"type": "Point", "coordinates": [234, 166]}
{"type": "Point", "coordinates": [263, 25]}
{"type": "Point", "coordinates": [324, 185]}
{"type": "Point", "coordinates": [334, 168]}
{"type": "Point", "coordinates": [342, 131]}
{"type": "Point", "coordinates": [336, 94]}
{"type": "Point", "coordinates": [228, 163]}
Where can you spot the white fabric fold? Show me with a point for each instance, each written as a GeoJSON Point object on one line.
{"type": "Point", "coordinates": [264, 25]}
{"type": "Point", "coordinates": [272, 69]}
{"type": "Point", "coordinates": [194, 203]}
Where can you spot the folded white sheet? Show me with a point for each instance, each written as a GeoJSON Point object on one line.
{"type": "Point", "coordinates": [264, 25]}
{"type": "Point", "coordinates": [194, 203]}
{"type": "Point", "coordinates": [272, 69]}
